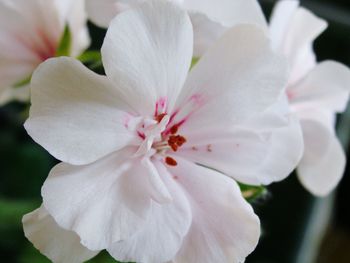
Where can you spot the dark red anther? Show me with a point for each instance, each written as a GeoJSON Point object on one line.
{"type": "Point", "coordinates": [174, 129]}
{"type": "Point", "coordinates": [160, 117]}
{"type": "Point", "coordinates": [174, 147]}
{"type": "Point", "coordinates": [180, 140]}
{"type": "Point", "coordinates": [170, 161]}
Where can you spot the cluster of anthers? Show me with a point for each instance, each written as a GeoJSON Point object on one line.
{"type": "Point", "coordinates": [169, 140]}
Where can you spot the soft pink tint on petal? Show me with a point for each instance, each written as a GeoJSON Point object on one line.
{"type": "Point", "coordinates": [57, 244]}
{"type": "Point", "coordinates": [147, 53]}
{"type": "Point", "coordinates": [323, 163]}
{"type": "Point", "coordinates": [103, 202]}
{"type": "Point", "coordinates": [327, 86]}
{"type": "Point", "coordinates": [224, 227]}
{"type": "Point", "coordinates": [237, 78]}
{"type": "Point", "coordinates": [161, 237]}
{"type": "Point", "coordinates": [76, 115]}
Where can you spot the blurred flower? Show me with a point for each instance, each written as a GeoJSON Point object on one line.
{"type": "Point", "coordinates": [316, 92]}
{"type": "Point", "coordinates": [30, 33]}
{"type": "Point", "coordinates": [210, 18]}
{"type": "Point", "coordinates": [136, 144]}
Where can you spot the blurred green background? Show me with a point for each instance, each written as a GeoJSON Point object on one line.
{"type": "Point", "coordinates": [297, 228]}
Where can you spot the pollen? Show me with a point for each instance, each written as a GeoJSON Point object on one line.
{"type": "Point", "coordinates": [176, 141]}
{"type": "Point", "coordinates": [170, 161]}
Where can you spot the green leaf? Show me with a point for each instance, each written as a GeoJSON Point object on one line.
{"type": "Point", "coordinates": [64, 48]}
{"type": "Point", "coordinates": [11, 212]}
{"type": "Point", "coordinates": [252, 193]}
{"type": "Point", "coordinates": [91, 58]}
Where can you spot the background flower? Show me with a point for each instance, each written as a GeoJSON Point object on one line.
{"type": "Point", "coordinates": [31, 32]}
{"type": "Point", "coordinates": [316, 92]}
{"type": "Point", "coordinates": [210, 19]}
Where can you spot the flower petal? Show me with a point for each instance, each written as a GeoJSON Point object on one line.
{"type": "Point", "coordinates": [295, 36]}
{"type": "Point", "coordinates": [229, 12]}
{"type": "Point", "coordinates": [211, 19]}
{"type": "Point", "coordinates": [75, 114]}
{"type": "Point", "coordinates": [327, 86]}
{"type": "Point", "coordinates": [161, 237]}
{"type": "Point", "coordinates": [57, 244]}
{"type": "Point", "coordinates": [224, 227]}
{"type": "Point", "coordinates": [101, 12]}
{"type": "Point", "coordinates": [237, 78]}
{"type": "Point", "coordinates": [103, 202]}
{"type": "Point", "coordinates": [147, 52]}
{"type": "Point", "coordinates": [323, 163]}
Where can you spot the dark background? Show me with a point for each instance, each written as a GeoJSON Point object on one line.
{"type": "Point", "coordinates": [297, 228]}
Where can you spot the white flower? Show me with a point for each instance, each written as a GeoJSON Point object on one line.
{"type": "Point", "coordinates": [30, 32]}
{"type": "Point", "coordinates": [316, 92]}
{"type": "Point", "coordinates": [210, 18]}
{"type": "Point", "coordinates": [136, 144]}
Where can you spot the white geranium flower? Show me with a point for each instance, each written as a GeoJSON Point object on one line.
{"type": "Point", "coordinates": [30, 32]}
{"type": "Point", "coordinates": [316, 92]}
{"type": "Point", "coordinates": [210, 18]}
{"type": "Point", "coordinates": [136, 144]}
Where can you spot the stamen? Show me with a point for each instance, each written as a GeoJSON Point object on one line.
{"type": "Point", "coordinates": [160, 117]}
{"type": "Point", "coordinates": [170, 161]}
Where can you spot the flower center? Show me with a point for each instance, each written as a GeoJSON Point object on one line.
{"type": "Point", "coordinates": [159, 137]}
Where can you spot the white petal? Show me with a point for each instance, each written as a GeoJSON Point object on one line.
{"type": "Point", "coordinates": [206, 32]}
{"type": "Point", "coordinates": [229, 12]}
{"type": "Point", "coordinates": [323, 163]}
{"type": "Point", "coordinates": [281, 17]}
{"type": "Point", "coordinates": [160, 192]}
{"type": "Point", "coordinates": [75, 114]}
{"type": "Point", "coordinates": [293, 31]}
{"type": "Point", "coordinates": [238, 154]}
{"type": "Point", "coordinates": [237, 78]}
{"type": "Point", "coordinates": [327, 86]}
{"type": "Point", "coordinates": [103, 202]}
{"type": "Point", "coordinates": [161, 237]}
{"type": "Point", "coordinates": [224, 227]}
{"type": "Point", "coordinates": [211, 19]}
{"type": "Point", "coordinates": [59, 245]}
{"type": "Point", "coordinates": [101, 12]}
{"type": "Point", "coordinates": [147, 52]}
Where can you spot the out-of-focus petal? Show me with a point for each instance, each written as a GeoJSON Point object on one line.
{"type": "Point", "coordinates": [58, 244]}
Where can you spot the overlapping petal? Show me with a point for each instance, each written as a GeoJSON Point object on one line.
{"type": "Point", "coordinates": [59, 245]}
{"type": "Point", "coordinates": [323, 162]}
{"type": "Point", "coordinates": [148, 55]}
{"type": "Point", "coordinates": [224, 227]}
{"type": "Point", "coordinates": [103, 202]}
{"type": "Point", "coordinates": [237, 78]}
{"type": "Point", "coordinates": [327, 86]}
{"type": "Point", "coordinates": [161, 237]}
{"type": "Point", "coordinates": [76, 115]}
